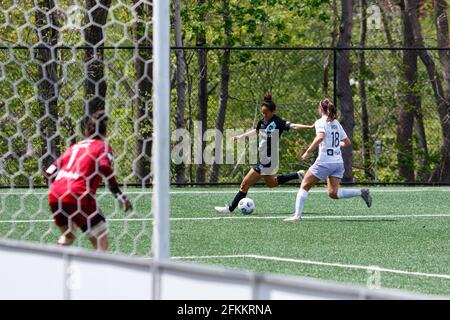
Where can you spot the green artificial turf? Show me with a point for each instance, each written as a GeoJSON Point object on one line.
{"type": "Point", "coordinates": [407, 229]}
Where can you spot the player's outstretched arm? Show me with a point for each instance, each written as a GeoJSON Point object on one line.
{"type": "Point", "coordinates": [297, 126]}
{"type": "Point", "coordinates": [317, 140]}
{"type": "Point", "coordinates": [247, 134]}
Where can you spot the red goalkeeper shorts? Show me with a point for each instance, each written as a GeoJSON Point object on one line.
{"type": "Point", "coordinates": [84, 214]}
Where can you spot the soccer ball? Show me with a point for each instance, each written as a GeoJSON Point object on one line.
{"type": "Point", "coordinates": [246, 206]}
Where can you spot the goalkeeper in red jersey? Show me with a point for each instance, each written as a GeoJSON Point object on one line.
{"type": "Point", "coordinates": [75, 177]}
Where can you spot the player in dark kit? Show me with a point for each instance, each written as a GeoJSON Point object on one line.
{"type": "Point", "coordinates": [269, 127]}
{"type": "Point", "coordinates": [75, 177]}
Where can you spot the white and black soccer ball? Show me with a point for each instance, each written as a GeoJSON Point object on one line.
{"type": "Point", "coordinates": [246, 206]}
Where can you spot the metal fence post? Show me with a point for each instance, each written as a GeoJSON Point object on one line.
{"type": "Point", "coordinates": [335, 76]}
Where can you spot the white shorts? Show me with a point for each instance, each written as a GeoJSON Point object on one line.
{"type": "Point", "coordinates": [324, 170]}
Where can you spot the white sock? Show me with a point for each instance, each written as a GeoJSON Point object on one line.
{"type": "Point", "coordinates": [302, 195]}
{"type": "Point", "coordinates": [348, 193]}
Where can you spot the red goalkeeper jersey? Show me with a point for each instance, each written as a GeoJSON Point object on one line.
{"type": "Point", "coordinates": [80, 171]}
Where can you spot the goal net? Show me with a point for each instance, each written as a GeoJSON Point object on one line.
{"type": "Point", "coordinates": [61, 61]}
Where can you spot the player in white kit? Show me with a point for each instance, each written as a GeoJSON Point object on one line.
{"type": "Point", "coordinates": [330, 137]}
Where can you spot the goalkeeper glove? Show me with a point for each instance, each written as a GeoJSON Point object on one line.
{"type": "Point", "coordinates": [124, 201]}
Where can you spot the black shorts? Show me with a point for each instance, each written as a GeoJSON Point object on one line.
{"type": "Point", "coordinates": [265, 169]}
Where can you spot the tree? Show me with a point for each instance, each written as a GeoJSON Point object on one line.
{"type": "Point", "coordinates": [329, 57]}
{"type": "Point", "coordinates": [344, 90]}
{"type": "Point", "coordinates": [423, 166]}
{"type": "Point", "coordinates": [202, 115]}
{"type": "Point", "coordinates": [362, 90]}
{"type": "Point", "coordinates": [95, 83]}
{"type": "Point", "coordinates": [224, 80]}
{"type": "Point", "coordinates": [181, 82]}
{"type": "Point", "coordinates": [442, 171]}
{"type": "Point", "coordinates": [412, 95]}
{"type": "Point", "coordinates": [143, 67]}
{"type": "Point", "coordinates": [384, 19]}
{"type": "Point", "coordinates": [48, 85]}
{"type": "Point", "coordinates": [442, 31]}
{"type": "Point", "coordinates": [409, 104]}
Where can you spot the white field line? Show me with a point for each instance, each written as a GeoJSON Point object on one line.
{"type": "Point", "coordinates": [401, 216]}
{"type": "Point", "coordinates": [32, 193]}
{"type": "Point", "coordinates": [319, 263]}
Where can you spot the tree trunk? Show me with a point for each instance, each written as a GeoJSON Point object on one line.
{"type": "Point", "coordinates": [202, 91]}
{"type": "Point", "coordinates": [143, 68]}
{"type": "Point", "coordinates": [423, 169]}
{"type": "Point", "coordinates": [388, 30]}
{"type": "Point", "coordinates": [442, 30]}
{"type": "Point", "coordinates": [405, 125]}
{"type": "Point", "coordinates": [405, 155]}
{"type": "Point", "coordinates": [386, 27]}
{"type": "Point", "coordinates": [181, 83]}
{"type": "Point", "coordinates": [95, 84]}
{"type": "Point", "coordinates": [442, 171]}
{"type": "Point", "coordinates": [362, 92]}
{"type": "Point", "coordinates": [329, 57]}
{"type": "Point", "coordinates": [48, 85]}
{"type": "Point", "coordinates": [224, 80]}
{"type": "Point", "coordinates": [344, 90]}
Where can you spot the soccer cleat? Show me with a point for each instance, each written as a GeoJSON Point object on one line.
{"type": "Point", "coordinates": [301, 174]}
{"type": "Point", "coordinates": [293, 218]}
{"type": "Point", "coordinates": [63, 241]}
{"type": "Point", "coordinates": [225, 209]}
{"type": "Point", "coordinates": [365, 194]}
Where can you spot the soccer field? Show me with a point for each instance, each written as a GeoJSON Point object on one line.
{"type": "Point", "coordinates": [405, 234]}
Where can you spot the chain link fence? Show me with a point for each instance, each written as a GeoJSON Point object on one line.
{"type": "Point", "coordinates": [297, 78]}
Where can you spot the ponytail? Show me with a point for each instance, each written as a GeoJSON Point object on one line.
{"type": "Point", "coordinates": [329, 109]}
{"type": "Point", "coordinates": [269, 103]}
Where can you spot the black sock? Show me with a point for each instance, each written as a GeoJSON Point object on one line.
{"type": "Point", "coordinates": [287, 177]}
{"type": "Point", "coordinates": [239, 196]}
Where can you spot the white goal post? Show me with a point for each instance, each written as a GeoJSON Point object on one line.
{"type": "Point", "coordinates": [161, 132]}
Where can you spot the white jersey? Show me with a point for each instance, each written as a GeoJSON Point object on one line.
{"type": "Point", "coordinates": [330, 147]}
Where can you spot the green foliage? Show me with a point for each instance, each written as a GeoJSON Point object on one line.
{"type": "Point", "coordinates": [295, 79]}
